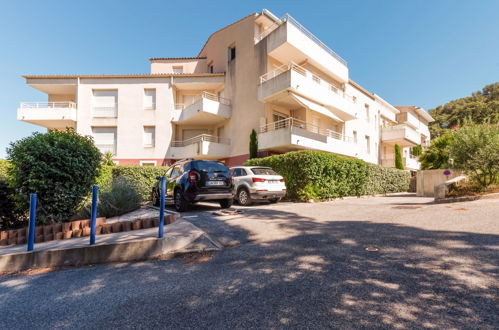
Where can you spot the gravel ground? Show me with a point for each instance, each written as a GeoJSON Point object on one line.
{"type": "Point", "coordinates": [291, 266]}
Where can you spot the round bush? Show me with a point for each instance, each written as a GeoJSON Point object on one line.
{"type": "Point", "coordinates": [60, 166]}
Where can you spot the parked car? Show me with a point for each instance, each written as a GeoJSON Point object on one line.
{"type": "Point", "coordinates": [189, 181]}
{"type": "Point", "coordinates": [257, 183]}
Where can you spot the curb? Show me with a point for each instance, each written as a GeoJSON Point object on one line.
{"type": "Point", "coordinates": [181, 236]}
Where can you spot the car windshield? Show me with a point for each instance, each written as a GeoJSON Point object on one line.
{"type": "Point", "coordinates": [263, 171]}
{"type": "Point", "coordinates": [210, 166]}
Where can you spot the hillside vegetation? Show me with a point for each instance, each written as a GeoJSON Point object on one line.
{"type": "Point", "coordinates": [480, 107]}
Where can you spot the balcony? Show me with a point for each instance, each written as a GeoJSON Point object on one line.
{"type": "Point", "coordinates": [210, 109]}
{"type": "Point", "coordinates": [203, 146]}
{"type": "Point", "coordinates": [289, 41]}
{"type": "Point", "coordinates": [52, 115]}
{"type": "Point", "coordinates": [276, 85]}
{"type": "Point", "coordinates": [403, 135]}
{"type": "Point", "coordinates": [293, 134]}
{"type": "Point", "coordinates": [410, 163]}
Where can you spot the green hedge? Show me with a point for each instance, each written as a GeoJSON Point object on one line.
{"type": "Point", "coordinates": [4, 165]}
{"type": "Point", "coordinates": [321, 175]}
{"type": "Point", "coordinates": [141, 177]}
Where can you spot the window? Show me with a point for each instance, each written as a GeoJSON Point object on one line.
{"type": "Point", "coordinates": [367, 113]}
{"type": "Point", "coordinates": [149, 136]}
{"type": "Point", "coordinates": [354, 136]}
{"type": "Point", "coordinates": [176, 171]}
{"type": "Point", "coordinates": [368, 145]}
{"type": "Point", "coordinates": [149, 99]}
{"type": "Point", "coordinates": [375, 119]}
{"type": "Point", "coordinates": [104, 103]}
{"type": "Point", "coordinates": [239, 172]}
{"type": "Point", "coordinates": [354, 99]}
{"type": "Point", "coordinates": [210, 67]}
{"type": "Point", "coordinates": [263, 171]}
{"type": "Point", "coordinates": [232, 53]}
{"type": "Point", "coordinates": [148, 163]}
{"type": "Point", "coordinates": [178, 69]}
{"type": "Point", "coordinates": [105, 139]}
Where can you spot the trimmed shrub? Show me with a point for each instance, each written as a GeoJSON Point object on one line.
{"type": "Point", "coordinates": [398, 158]}
{"type": "Point", "coordinates": [253, 145]}
{"type": "Point", "coordinates": [385, 180]}
{"type": "Point", "coordinates": [121, 197]}
{"type": "Point", "coordinates": [105, 176]}
{"type": "Point", "coordinates": [321, 175]}
{"type": "Point", "coordinates": [141, 178]}
{"type": "Point", "coordinates": [60, 166]}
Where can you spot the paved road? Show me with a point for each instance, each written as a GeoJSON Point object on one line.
{"type": "Point", "coordinates": [291, 266]}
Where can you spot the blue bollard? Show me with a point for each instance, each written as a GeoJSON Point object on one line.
{"type": "Point", "coordinates": [95, 192]}
{"type": "Point", "coordinates": [32, 221]}
{"type": "Point", "coordinates": [162, 207]}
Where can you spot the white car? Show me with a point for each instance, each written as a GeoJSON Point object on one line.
{"type": "Point", "coordinates": [257, 183]}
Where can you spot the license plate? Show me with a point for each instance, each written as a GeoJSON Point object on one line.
{"type": "Point", "coordinates": [273, 181]}
{"type": "Point", "coordinates": [215, 183]}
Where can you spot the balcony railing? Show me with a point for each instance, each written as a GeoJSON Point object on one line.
{"type": "Point", "coordinates": [204, 95]}
{"type": "Point", "coordinates": [200, 138]}
{"type": "Point", "coordinates": [50, 105]}
{"type": "Point", "coordinates": [291, 20]}
{"type": "Point", "coordinates": [304, 72]}
{"type": "Point", "coordinates": [293, 122]}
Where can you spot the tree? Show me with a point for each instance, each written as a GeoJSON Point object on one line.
{"type": "Point", "coordinates": [437, 155]}
{"type": "Point", "coordinates": [253, 145]}
{"type": "Point", "coordinates": [398, 158]}
{"type": "Point", "coordinates": [417, 151]}
{"type": "Point", "coordinates": [60, 166]}
{"type": "Point", "coordinates": [475, 149]}
{"type": "Point", "coordinates": [107, 159]}
{"type": "Point", "coordinates": [480, 107]}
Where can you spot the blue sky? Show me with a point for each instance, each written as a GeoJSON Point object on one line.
{"type": "Point", "coordinates": [409, 52]}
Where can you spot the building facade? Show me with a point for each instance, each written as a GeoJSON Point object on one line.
{"type": "Point", "coordinates": [262, 72]}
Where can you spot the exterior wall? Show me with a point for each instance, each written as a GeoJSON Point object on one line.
{"type": "Point", "coordinates": [131, 117]}
{"type": "Point", "coordinates": [242, 77]}
{"type": "Point", "coordinates": [239, 84]}
{"type": "Point", "coordinates": [427, 180]}
{"type": "Point", "coordinates": [188, 65]}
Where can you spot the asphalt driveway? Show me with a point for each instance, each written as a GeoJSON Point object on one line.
{"type": "Point", "coordinates": [383, 262]}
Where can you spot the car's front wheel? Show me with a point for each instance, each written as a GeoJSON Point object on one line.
{"type": "Point", "coordinates": [243, 197]}
{"type": "Point", "coordinates": [226, 203]}
{"type": "Point", "coordinates": [180, 203]}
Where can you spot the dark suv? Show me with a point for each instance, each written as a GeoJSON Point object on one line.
{"type": "Point", "coordinates": [189, 181]}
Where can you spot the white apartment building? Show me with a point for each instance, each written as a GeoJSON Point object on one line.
{"type": "Point", "coordinates": [262, 72]}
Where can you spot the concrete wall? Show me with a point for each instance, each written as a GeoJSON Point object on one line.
{"type": "Point", "coordinates": [188, 65]}
{"type": "Point", "coordinates": [427, 180]}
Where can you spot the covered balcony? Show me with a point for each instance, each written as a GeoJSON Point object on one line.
{"type": "Point", "coordinates": [203, 146]}
{"type": "Point", "coordinates": [293, 134]}
{"type": "Point", "coordinates": [403, 135]}
{"type": "Point", "coordinates": [52, 115]}
{"type": "Point", "coordinates": [276, 85]}
{"type": "Point", "coordinates": [209, 109]}
{"type": "Point", "coordinates": [289, 41]}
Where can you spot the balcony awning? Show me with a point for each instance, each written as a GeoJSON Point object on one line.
{"type": "Point", "coordinates": [315, 107]}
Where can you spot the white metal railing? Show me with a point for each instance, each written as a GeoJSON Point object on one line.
{"type": "Point", "coordinates": [291, 20]}
{"type": "Point", "coordinates": [45, 105]}
{"type": "Point", "coordinates": [107, 111]}
{"type": "Point", "coordinates": [293, 122]}
{"type": "Point", "coordinates": [305, 73]}
{"type": "Point", "coordinates": [204, 95]}
{"type": "Point", "coordinates": [107, 148]}
{"type": "Point", "coordinates": [200, 138]}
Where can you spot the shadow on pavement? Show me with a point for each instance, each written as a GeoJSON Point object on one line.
{"type": "Point", "coordinates": [314, 274]}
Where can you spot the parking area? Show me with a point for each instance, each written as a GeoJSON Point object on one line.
{"type": "Point", "coordinates": [378, 262]}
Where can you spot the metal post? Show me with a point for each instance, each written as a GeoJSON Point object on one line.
{"type": "Point", "coordinates": [95, 192]}
{"type": "Point", "coordinates": [162, 207]}
{"type": "Point", "coordinates": [32, 220]}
